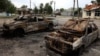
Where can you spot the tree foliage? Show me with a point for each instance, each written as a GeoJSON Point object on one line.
{"type": "Point", "coordinates": [3, 5]}
{"type": "Point", "coordinates": [77, 11]}
{"type": "Point", "coordinates": [36, 10]}
{"type": "Point", "coordinates": [7, 6]}
{"type": "Point", "coordinates": [61, 9]}
{"type": "Point", "coordinates": [98, 1]}
{"type": "Point", "coordinates": [24, 6]}
{"type": "Point", "coordinates": [11, 8]}
{"type": "Point", "coordinates": [48, 8]}
{"type": "Point", "coordinates": [41, 8]}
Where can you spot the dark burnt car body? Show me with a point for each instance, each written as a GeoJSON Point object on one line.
{"type": "Point", "coordinates": [25, 24]}
{"type": "Point", "coordinates": [72, 36]}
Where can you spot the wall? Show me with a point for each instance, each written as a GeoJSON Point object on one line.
{"type": "Point", "coordinates": [66, 13]}
{"type": "Point", "coordinates": [4, 14]}
{"type": "Point", "coordinates": [84, 15]}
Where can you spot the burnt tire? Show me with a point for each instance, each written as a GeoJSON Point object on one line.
{"type": "Point", "coordinates": [19, 32]}
{"type": "Point", "coordinates": [77, 52]}
{"type": "Point", "coordinates": [81, 50]}
{"type": "Point", "coordinates": [6, 33]}
{"type": "Point", "coordinates": [50, 27]}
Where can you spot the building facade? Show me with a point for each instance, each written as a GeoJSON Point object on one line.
{"type": "Point", "coordinates": [91, 11]}
{"type": "Point", "coordinates": [24, 11]}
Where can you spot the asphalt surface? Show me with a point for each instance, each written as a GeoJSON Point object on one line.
{"type": "Point", "coordinates": [32, 44]}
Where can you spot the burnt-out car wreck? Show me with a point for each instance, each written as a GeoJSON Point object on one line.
{"type": "Point", "coordinates": [72, 36]}
{"type": "Point", "coordinates": [24, 24]}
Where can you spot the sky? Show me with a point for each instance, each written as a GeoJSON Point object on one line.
{"type": "Point", "coordinates": [59, 3]}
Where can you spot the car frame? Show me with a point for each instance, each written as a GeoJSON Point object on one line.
{"type": "Point", "coordinates": [24, 24]}
{"type": "Point", "coordinates": [65, 47]}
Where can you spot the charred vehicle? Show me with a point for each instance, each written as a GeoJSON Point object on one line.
{"type": "Point", "coordinates": [23, 24]}
{"type": "Point", "coordinates": [73, 35]}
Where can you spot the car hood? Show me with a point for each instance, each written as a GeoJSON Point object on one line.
{"type": "Point", "coordinates": [14, 23]}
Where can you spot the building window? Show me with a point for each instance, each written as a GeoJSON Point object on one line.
{"type": "Point", "coordinates": [97, 12]}
{"type": "Point", "coordinates": [88, 13]}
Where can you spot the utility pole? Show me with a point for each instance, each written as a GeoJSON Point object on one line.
{"type": "Point", "coordinates": [74, 1]}
{"type": "Point", "coordinates": [30, 4]}
{"type": "Point", "coordinates": [78, 9]}
{"type": "Point", "coordinates": [73, 9]}
{"type": "Point", "coordinates": [54, 5]}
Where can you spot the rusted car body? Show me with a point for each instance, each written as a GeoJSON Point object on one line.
{"type": "Point", "coordinates": [72, 36]}
{"type": "Point", "coordinates": [23, 24]}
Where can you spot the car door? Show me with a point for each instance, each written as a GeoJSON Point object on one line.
{"type": "Point", "coordinates": [41, 23]}
{"type": "Point", "coordinates": [90, 37]}
{"type": "Point", "coordinates": [32, 24]}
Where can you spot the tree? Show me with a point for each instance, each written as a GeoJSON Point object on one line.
{"type": "Point", "coordinates": [7, 6]}
{"type": "Point", "coordinates": [10, 8]}
{"type": "Point", "coordinates": [24, 6]}
{"type": "Point", "coordinates": [3, 5]}
{"type": "Point", "coordinates": [78, 11]}
{"type": "Point", "coordinates": [35, 10]}
{"type": "Point", "coordinates": [62, 9]}
{"type": "Point", "coordinates": [48, 8]}
{"type": "Point", "coordinates": [41, 8]}
{"type": "Point", "coordinates": [98, 1]}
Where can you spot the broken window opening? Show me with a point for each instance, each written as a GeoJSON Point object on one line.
{"type": "Point", "coordinates": [97, 12]}
{"type": "Point", "coordinates": [88, 13]}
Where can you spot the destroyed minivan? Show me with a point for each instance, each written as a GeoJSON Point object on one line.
{"type": "Point", "coordinates": [24, 24]}
{"type": "Point", "coordinates": [73, 36]}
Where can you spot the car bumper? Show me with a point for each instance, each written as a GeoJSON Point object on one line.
{"type": "Point", "coordinates": [57, 46]}
{"type": "Point", "coordinates": [7, 31]}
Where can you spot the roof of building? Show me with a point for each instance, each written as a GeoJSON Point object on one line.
{"type": "Point", "coordinates": [25, 9]}
{"type": "Point", "coordinates": [91, 7]}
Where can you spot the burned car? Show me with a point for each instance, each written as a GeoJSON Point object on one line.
{"type": "Point", "coordinates": [23, 24]}
{"type": "Point", "coordinates": [72, 36]}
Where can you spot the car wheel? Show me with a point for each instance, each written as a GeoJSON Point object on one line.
{"type": "Point", "coordinates": [50, 27]}
{"type": "Point", "coordinates": [81, 50]}
{"type": "Point", "coordinates": [19, 32]}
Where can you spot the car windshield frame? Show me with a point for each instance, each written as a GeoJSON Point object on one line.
{"type": "Point", "coordinates": [21, 18]}
{"type": "Point", "coordinates": [50, 18]}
